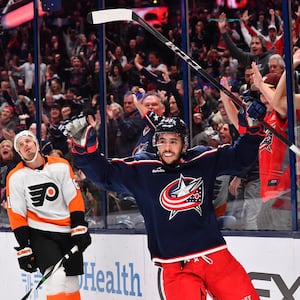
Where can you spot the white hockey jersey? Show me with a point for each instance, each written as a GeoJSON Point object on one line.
{"type": "Point", "coordinates": [43, 199]}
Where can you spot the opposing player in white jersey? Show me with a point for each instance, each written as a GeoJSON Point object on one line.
{"type": "Point", "coordinates": [46, 213]}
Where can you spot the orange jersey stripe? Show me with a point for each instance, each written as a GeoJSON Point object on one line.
{"type": "Point", "coordinates": [61, 222]}
{"type": "Point", "coordinates": [16, 220]}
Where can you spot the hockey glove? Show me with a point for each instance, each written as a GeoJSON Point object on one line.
{"type": "Point", "coordinates": [26, 259]}
{"type": "Point", "coordinates": [74, 126]}
{"type": "Point", "coordinates": [84, 138]}
{"type": "Point", "coordinates": [86, 143]}
{"type": "Point", "coordinates": [250, 115]}
{"type": "Point", "coordinates": [79, 231]}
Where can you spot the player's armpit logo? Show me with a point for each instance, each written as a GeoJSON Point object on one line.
{"type": "Point", "coordinates": [267, 142]}
{"type": "Point", "coordinates": [41, 192]}
{"type": "Point", "coordinates": [183, 194]}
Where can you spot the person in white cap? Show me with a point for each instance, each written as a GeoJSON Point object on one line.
{"type": "Point", "coordinates": [46, 214]}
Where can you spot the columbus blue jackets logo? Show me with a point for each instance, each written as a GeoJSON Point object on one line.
{"type": "Point", "coordinates": [182, 194]}
{"type": "Point", "coordinates": [41, 192]}
{"type": "Point", "coordinates": [267, 141]}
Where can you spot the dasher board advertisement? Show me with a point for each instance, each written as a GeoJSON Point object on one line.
{"type": "Point", "coordinates": [118, 267]}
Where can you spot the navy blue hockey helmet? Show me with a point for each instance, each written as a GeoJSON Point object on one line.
{"type": "Point", "coordinates": [171, 125]}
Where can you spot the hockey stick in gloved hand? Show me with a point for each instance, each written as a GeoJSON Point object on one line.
{"type": "Point", "coordinates": [124, 14]}
{"type": "Point", "coordinates": [53, 269]}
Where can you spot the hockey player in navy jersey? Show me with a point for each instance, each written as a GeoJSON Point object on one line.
{"type": "Point", "coordinates": [174, 191]}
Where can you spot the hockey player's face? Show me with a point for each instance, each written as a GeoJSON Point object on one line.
{"type": "Point", "coordinates": [170, 148]}
{"type": "Point", "coordinates": [27, 147]}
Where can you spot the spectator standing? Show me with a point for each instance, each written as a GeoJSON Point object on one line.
{"type": "Point", "coordinates": [91, 55]}
{"type": "Point", "coordinates": [129, 127]}
{"type": "Point", "coordinates": [163, 83]}
{"type": "Point", "coordinates": [55, 91]}
{"type": "Point", "coordinates": [95, 79]}
{"type": "Point", "coordinates": [113, 132]}
{"type": "Point", "coordinates": [53, 123]}
{"type": "Point", "coordinates": [7, 97]}
{"type": "Point", "coordinates": [245, 188]}
{"type": "Point", "coordinates": [73, 98]}
{"type": "Point", "coordinates": [151, 101]}
{"type": "Point", "coordinates": [80, 45]}
{"type": "Point", "coordinates": [248, 80]}
{"type": "Point", "coordinates": [199, 39]}
{"type": "Point", "coordinates": [8, 160]}
{"type": "Point", "coordinates": [273, 40]}
{"type": "Point", "coordinates": [275, 213]}
{"type": "Point", "coordinates": [8, 122]}
{"type": "Point", "coordinates": [174, 110]}
{"type": "Point", "coordinates": [133, 74]}
{"type": "Point", "coordinates": [27, 69]}
{"type": "Point", "coordinates": [201, 112]}
{"type": "Point", "coordinates": [155, 63]}
{"type": "Point", "coordinates": [77, 76]}
{"type": "Point", "coordinates": [131, 51]}
{"type": "Point", "coordinates": [118, 56]}
{"type": "Point", "coordinates": [211, 63]}
{"type": "Point", "coordinates": [31, 116]}
{"type": "Point", "coordinates": [261, 23]}
{"type": "Point", "coordinates": [117, 82]}
{"type": "Point", "coordinates": [276, 64]}
{"type": "Point", "coordinates": [258, 51]}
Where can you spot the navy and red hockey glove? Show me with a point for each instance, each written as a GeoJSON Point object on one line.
{"type": "Point", "coordinates": [83, 136]}
{"type": "Point", "coordinates": [86, 143]}
{"type": "Point", "coordinates": [26, 259]}
{"type": "Point", "coordinates": [250, 115]}
{"type": "Point", "coordinates": [79, 231]}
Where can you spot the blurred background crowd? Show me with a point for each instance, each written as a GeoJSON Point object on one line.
{"type": "Point", "coordinates": [135, 63]}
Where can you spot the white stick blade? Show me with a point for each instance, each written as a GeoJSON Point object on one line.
{"type": "Point", "coordinates": [109, 15]}
{"type": "Point", "coordinates": [295, 149]}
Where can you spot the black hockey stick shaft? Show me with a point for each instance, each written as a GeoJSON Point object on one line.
{"type": "Point", "coordinates": [51, 271]}
{"type": "Point", "coordinates": [112, 15]}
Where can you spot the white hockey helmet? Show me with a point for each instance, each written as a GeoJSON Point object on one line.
{"type": "Point", "coordinates": [26, 133]}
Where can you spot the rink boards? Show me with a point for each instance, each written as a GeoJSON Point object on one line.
{"type": "Point", "coordinates": [118, 267]}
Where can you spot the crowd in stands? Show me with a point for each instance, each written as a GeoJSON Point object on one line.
{"type": "Point", "coordinates": [135, 63]}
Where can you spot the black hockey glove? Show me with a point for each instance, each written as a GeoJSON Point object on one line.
{"type": "Point", "coordinates": [79, 231]}
{"type": "Point", "coordinates": [26, 259]}
{"type": "Point", "coordinates": [250, 115]}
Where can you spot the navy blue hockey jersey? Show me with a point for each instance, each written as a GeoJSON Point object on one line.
{"type": "Point", "coordinates": [175, 201]}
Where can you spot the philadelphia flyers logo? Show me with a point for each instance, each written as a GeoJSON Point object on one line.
{"type": "Point", "coordinates": [41, 192]}
{"type": "Point", "coordinates": [182, 194]}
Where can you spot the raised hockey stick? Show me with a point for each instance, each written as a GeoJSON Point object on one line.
{"type": "Point", "coordinates": [123, 14]}
{"type": "Point", "coordinates": [51, 271]}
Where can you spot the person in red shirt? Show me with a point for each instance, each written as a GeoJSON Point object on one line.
{"type": "Point", "coordinates": [275, 213]}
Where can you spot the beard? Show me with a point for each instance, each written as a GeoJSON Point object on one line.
{"type": "Point", "coordinates": [175, 162]}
